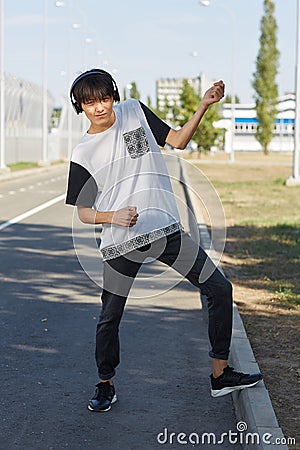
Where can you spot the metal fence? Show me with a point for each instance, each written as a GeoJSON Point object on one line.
{"type": "Point", "coordinates": [24, 127]}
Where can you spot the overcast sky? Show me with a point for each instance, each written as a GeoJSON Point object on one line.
{"type": "Point", "coordinates": [142, 41]}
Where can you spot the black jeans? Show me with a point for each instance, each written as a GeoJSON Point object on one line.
{"type": "Point", "coordinates": [182, 253]}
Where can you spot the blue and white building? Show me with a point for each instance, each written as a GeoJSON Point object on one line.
{"type": "Point", "coordinates": [168, 91]}
{"type": "Point", "coordinates": [246, 124]}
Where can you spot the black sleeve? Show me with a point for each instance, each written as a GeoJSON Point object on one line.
{"type": "Point", "coordinates": [158, 127]}
{"type": "Point", "coordinates": [82, 187]}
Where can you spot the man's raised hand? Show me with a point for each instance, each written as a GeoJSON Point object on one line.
{"type": "Point", "coordinates": [214, 94]}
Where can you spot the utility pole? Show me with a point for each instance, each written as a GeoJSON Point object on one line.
{"type": "Point", "coordinates": [294, 180]}
{"type": "Point", "coordinates": [2, 91]}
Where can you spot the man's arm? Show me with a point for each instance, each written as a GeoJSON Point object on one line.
{"type": "Point", "coordinates": [180, 138]}
{"type": "Point", "coordinates": [125, 217]}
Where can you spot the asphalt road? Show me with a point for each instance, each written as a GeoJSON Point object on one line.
{"type": "Point", "coordinates": [48, 313]}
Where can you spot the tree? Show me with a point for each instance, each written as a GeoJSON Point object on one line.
{"type": "Point", "coordinates": [206, 134]}
{"type": "Point", "coordinates": [134, 93]}
{"type": "Point", "coordinates": [169, 112]}
{"type": "Point", "coordinates": [55, 117]}
{"type": "Point", "coordinates": [228, 99]}
{"type": "Point", "coordinates": [264, 82]}
{"type": "Point", "coordinates": [162, 114]}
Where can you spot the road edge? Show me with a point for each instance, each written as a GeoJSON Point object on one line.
{"type": "Point", "coordinates": [10, 175]}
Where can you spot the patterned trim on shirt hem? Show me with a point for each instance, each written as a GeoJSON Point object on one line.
{"type": "Point", "coordinates": [139, 241]}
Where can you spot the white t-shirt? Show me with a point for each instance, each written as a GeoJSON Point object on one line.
{"type": "Point", "coordinates": [123, 166]}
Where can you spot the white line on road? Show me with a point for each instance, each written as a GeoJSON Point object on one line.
{"type": "Point", "coordinates": [32, 211]}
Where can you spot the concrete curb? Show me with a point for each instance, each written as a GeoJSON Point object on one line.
{"type": "Point", "coordinates": [253, 407]}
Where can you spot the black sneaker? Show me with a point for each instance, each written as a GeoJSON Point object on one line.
{"type": "Point", "coordinates": [231, 381]}
{"type": "Point", "coordinates": [104, 397]}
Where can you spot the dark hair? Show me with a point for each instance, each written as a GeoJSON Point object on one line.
{"type": "Point", "coordinates": [95, 86]}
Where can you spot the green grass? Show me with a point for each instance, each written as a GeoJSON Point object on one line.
{"type": "Point", "coordinates": [261, 203]}
{"type": "Point", "coordinates": [263, 222]}
{"type": "Point", "coordinates": [22, 165]}
{"type": "Point", "coordinates": [286, 296]}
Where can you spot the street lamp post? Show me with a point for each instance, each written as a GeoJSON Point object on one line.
{"type": "Point", "coordinates": [2, 90]}
{"type": "Point", "coordinates": [45, 87]}
{"type": "Point", "coordinates": [233, 64]}
{"type": "Point", "coordinates": [294, 180]}
{"type": "Point", "coordinates": [71, 26]}
{"type": "Point", "coordinates": [70, 50]}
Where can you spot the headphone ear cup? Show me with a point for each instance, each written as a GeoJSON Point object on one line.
{"type": "Point", "coordinates": [77, 107]}
{"type": "Point", "coordinates": [116, 94]}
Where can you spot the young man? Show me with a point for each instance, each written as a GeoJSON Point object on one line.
{"type": "Point", "coordinates": [118, 178]}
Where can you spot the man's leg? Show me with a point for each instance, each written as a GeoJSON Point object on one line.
{"type": "Point", "coordinates": [107, 334]}
{"type": "Point", "coordinates": [118, 275]}
{"type": "Point", "coordinates": [184, 255]}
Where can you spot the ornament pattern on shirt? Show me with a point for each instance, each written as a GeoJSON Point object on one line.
{"type": "Point", "coordinates": [114, 251]}
{"type": "Point", "coordinates": [136, 142]}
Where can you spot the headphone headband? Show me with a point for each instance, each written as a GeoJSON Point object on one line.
{"type": "Point", "coordinates": [75, 104]}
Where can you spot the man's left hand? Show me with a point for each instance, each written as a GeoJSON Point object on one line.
{"type": "Point", "coordinates": [214, 94]}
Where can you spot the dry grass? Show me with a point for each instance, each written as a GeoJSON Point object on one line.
{"type": "Point", "coordinates": [261, 258]}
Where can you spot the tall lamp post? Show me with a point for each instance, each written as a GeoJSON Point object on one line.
{"type": "Point", "coordinates": [45, 86]}
{"type": "Point", "coordinates": [294, 180]}
{"type": "Point", "coordinates": [71, 26]}
{"type": "Point", "coordinates": [233, 18]}
{"type": "Point", "coordinates": [2, 89]}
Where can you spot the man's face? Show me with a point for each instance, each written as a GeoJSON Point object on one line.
{"type": "Point", "coordinates": [100, 113]}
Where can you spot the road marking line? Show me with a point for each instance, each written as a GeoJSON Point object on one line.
{"type": "Point", "coordinates": [32, 211]}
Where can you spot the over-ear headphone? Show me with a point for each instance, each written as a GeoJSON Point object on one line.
{"type": "Point", "coordinates": [75, 104]}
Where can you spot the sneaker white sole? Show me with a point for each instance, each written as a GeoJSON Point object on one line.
{"type": "Point", "coordinates": [229, 389]}
{"type": "Point", "coordinates": [114, 399]}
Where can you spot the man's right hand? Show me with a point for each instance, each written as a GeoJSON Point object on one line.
{"type": "Point", "coordinates": [125, 217]}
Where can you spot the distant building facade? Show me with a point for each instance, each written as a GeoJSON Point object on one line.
{"type": "Point", "coordinates": [246, 125]}
{"type": "Point", "coordinates": [168, 91]}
